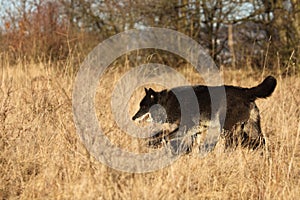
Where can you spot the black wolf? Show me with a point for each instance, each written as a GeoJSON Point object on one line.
{"type": "Point", "coordinates": [241, 125]}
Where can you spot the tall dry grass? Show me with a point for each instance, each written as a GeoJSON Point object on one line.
{"type": "Point", "coordinates": [43, 158]}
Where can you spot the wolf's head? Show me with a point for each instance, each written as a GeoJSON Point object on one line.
{"type": "Point", "coordinates": [150, 107]}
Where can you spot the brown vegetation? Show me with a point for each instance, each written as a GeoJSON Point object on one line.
{"type": "Point", "coordinates": [43, 157]}
{"type": "Point", "coordinates": [42, 44]}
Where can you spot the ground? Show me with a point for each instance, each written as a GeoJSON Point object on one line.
{"type": "Point", "coordinates": [42, 157]}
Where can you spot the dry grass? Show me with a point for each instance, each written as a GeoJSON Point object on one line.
{"type": "Point", "coordinates": [43, 158]}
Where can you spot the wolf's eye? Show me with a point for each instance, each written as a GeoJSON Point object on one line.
{"type": "Point", "coordinates": [152, 97]}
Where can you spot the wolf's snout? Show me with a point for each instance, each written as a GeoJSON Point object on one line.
{"type": "Point", "coordinates": [137, 118]}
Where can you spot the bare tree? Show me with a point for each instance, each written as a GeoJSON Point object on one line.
{"type": "Point", "coordinates": [249, 25]}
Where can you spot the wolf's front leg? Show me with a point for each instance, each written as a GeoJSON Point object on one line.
{"type": "Point", "coordinates": [168, 132]}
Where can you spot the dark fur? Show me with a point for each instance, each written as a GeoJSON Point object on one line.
{"type": "Point", "coordinates": [242, 121]}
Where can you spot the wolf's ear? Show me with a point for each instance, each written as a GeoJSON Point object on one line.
{"type": "Point", "coordinates": [146, 90]}
{"type": "Point", "coordinates": [151, 90]}
{"type": "Point", "coordinates": [164, 92]}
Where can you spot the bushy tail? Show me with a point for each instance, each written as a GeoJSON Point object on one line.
{"type": "Point", "coordinates": [263, 90]}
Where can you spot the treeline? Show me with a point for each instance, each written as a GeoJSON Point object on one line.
{"type": "Point", "coordinates": [263, 33]}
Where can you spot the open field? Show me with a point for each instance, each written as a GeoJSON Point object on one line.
{"type": "Point", "coordinates": [42, 157]}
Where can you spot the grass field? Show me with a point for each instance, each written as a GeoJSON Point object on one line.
{"type": "Point", "coordinates": [42, 157]}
